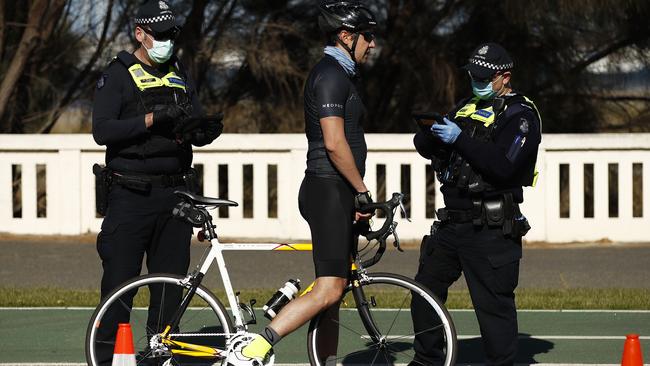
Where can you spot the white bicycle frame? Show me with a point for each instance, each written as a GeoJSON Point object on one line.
{"type": "Point", "coordinates": [216, 253]}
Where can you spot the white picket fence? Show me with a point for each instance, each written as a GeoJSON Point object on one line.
{"type": "Point", "coordinates": [70, 201]}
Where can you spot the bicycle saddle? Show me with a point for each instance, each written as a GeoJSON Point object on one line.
{"type": "Point", "coordinates": [204, 201]}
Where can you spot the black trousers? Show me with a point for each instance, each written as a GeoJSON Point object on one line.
{"type": "Point", "coordinates": [137, 224]}
{"type": "Point", "coordinates": [490, 262]}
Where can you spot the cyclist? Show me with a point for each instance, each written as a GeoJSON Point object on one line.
{"type": "Point", "coordinates": [483, 153]}
{"type": "Point", "coordinates": [333, 187]}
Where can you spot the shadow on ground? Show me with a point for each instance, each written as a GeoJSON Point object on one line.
{"type": "Point", "coordinates": [471, 350]}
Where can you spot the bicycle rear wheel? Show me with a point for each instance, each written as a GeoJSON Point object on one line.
{"type": "Point", "coordinates": [205, 322]}
{"type": "Point", "coordinates": [387, 310]}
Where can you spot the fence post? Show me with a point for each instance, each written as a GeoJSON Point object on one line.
{"type": "Point", "coordinates": [69, 177]}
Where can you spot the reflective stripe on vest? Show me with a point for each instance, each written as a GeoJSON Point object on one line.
{"type": "Point", "coordinates": [485, 115]}
{"type": "Point", "coordinates": [144, 80]}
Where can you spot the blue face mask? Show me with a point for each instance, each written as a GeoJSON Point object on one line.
{"type": "Point", "coordinates": [161, 51]}
{"type": "Point", "coordinates": [483, 90]}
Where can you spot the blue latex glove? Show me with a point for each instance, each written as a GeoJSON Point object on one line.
{"type": "Point", "coordinates": [447, 133]}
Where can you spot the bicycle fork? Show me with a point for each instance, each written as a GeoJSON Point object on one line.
{"type": "Point", "coordinates": [363, 307]}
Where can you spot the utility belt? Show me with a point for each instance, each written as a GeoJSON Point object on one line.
{"type": "Point", "coordinates": [144, 183]}
{"type": "Point", "coordinates": [106, 177]}
{"type": "Point", "coordinates": [491, 212]}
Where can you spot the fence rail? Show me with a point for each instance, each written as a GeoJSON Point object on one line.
{"type": "Point", "coordinates": [591, 187]}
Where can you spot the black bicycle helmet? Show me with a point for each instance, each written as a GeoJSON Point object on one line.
{"type": "Point", "coordinates": [352, 16]}
{"type": "Point", "coordinates": [349, 15]}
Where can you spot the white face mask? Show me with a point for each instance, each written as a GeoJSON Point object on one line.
{"type": "Point", "coordinates": [161, 51]}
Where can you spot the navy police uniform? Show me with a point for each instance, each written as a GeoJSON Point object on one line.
{"type": "Point", "coordinates": [144, 166]}
{"type": "Point", "coordinates": [479, 231]}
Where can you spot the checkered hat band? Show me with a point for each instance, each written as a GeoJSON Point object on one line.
{"type": "Point", "coordinates": [491, 66]}
{"type": "Point", "coordinates": [157, 19]}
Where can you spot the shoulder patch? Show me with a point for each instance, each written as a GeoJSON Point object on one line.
{"type": "Point", "coordinates": [524, 126]}
{"type": "Point", "coordinates": [102, 81]}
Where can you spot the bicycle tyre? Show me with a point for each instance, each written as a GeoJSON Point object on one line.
{"type": "Point", "coordinates": [356, 347]}
{"type": "Point", "coordinates": [204, 304]}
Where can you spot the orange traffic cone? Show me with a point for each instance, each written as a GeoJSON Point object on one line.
{"type": "Point", "coordinates": [124, 354]}
{"type": "Point", "coordinates": [632, 351]}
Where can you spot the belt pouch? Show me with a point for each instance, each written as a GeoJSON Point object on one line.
{"type": "Point", "coordinates": [494, 212]}
{"type": "Point", "coordinates": [102, 187]}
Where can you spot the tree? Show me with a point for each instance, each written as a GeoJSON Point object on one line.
{"type": "Point", "coordinates": [41, 19]}
{"type": "Point", "coordinates": [250, 58]}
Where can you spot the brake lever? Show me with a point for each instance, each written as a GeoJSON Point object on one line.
{"type": "Point", "coordinates": [393, 229]}
{"type": "Point", "coordinates": [403, 209]}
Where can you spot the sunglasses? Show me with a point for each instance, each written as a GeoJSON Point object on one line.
{"type": "Point", "coordinates": [483, 80]}
{"type": "Point", "coordinates": [169, 34]}
{"type": "Point", "coordinates": [368, 36]}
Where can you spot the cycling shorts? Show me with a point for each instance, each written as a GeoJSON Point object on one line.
{"type": "Point", "coordinates": [328, 206]}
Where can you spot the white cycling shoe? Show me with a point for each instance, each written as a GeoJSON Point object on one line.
{"type": "Point", "coordinates": [236, 358]}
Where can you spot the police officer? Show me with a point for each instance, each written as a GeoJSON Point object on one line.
{"type": "Point", "coordinates": [483, 152]}
{"type": "Point", "coordinates": [142, 100]}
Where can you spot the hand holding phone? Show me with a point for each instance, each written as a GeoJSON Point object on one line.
{"type": "Point", "coordinates": [425, 120]}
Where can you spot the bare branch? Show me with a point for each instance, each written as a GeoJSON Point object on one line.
{"type": "Point", "coordinates": [84, 72]}
{"type": "Point", "coordinates": [42, 15]}
{"type": "Point", "coordinates": [2, 27]}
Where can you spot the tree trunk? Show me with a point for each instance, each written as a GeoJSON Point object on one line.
{"type": "Point", "coordinates": [2, 28]}
{"type": "Point", "coordinates": [42, 13]}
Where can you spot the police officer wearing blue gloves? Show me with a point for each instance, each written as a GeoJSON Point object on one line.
{"type": "Point", "coordinates": [483, 151]}
{"type": "Point", "coordinates": [142, 102]}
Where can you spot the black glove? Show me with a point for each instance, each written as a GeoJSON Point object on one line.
{"type": "Point", "coordinates": [362, 199]}
{"type": "Point", "coordinates": [213, 129]}
{"type": "Point", "coordinates": [167, 114]}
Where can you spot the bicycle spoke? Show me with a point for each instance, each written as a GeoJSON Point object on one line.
{"type": "Point", "coordinates": [162, 305]}
{"type": "Point", "coordinates": [132, 314]}
{"type": "Point", "coordinates": [408, 353]}
{"type": "Point", "coordinates": [187, 320]}
{"type": "Point", "coordinates": [375, 358]}
{"type": "Point", "coordinates": [354, 353]}
{"type": "Point", "coordinates": [348, 328]}
{"type": "Point", "coordinates": [388, 360]}
{"type": "Point", "coordinates": [144, 358]}
{"type": "Point", "coordinates": [396, 315]}
{"type": "Point", "coordinates": [417, 334]}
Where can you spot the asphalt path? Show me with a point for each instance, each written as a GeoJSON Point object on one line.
{"type": "Point", "coordinates": [76, 265]}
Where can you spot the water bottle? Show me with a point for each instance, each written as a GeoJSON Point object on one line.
{"type": "Point", "coordinates": [285, 294]}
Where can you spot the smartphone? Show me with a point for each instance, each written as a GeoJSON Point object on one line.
{"type": "Point", "coordinates": [425, 120]}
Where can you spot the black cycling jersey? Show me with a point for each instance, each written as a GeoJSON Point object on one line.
{"type": "Point", "coordinates": [330, 92]}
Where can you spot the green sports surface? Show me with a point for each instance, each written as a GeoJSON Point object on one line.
{"type": "Point", "coordinates": [55, 335]}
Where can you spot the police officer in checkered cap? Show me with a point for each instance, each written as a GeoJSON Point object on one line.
{"type": "Point", "coordinates": [488, 59]}
{"type": "Point", "coordinates": [141, 99]}
{"type": "Point", "coordinates": [484, 151]}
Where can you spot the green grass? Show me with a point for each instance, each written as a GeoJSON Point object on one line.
{"type": "Point", "coordinates": [583, 298]}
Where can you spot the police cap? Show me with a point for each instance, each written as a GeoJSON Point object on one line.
{"type": "Point", "coordinates": [487, 59]}
{"type": "Point", "coordinates": [157, 15]}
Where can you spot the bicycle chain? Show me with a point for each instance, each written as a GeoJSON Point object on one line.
{"type": "Point", "coordinates": [199, 334]}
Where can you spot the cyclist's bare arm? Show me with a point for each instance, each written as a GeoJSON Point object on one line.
{"type": "Point", "coordinates": [339, 151]}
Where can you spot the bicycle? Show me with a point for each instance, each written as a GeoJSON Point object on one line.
{"type": "Point", "coordinates": [197, 328]}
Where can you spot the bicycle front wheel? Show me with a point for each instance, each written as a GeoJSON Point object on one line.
{"type": "Point", "coordinates": [148, 303]}
{"type": "Point", "coordinates": [375, 326]}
